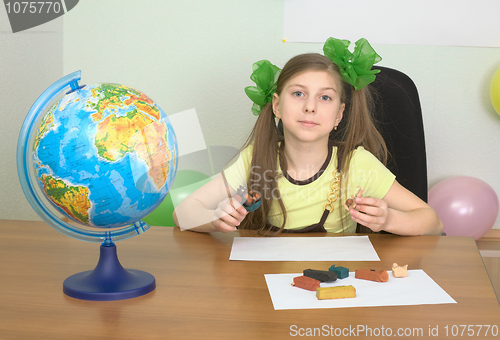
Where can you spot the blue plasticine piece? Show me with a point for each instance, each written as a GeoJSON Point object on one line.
{"type": "Point", "coordinates": [254, 206]}
{"type": "Point", "coordinates": [342, 272]}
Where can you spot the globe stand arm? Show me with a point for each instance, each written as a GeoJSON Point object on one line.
{"type": "Point", "coordinates": [109, 280]}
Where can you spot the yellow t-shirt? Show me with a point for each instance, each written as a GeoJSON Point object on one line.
{"type": "Point", "coordinates": [304, 201]}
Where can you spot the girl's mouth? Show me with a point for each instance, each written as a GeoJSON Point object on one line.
{"type": "Point", "coordinates": [307, 123]}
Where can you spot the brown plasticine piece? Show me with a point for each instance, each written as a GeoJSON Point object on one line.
{"type": "Point", "coordinates": [372, 275]}
{"type": "Point", "coordinates": [350, 203]}
{"type": "Point", "coordinates": [305, 282]}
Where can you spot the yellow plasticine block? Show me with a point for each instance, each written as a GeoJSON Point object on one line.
{"type": "Point", "coordinates": [338, 292]}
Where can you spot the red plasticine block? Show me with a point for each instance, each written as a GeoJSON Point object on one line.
{"type": "Point", "coordinates": [305, 282]}
{"type": "Point", "coordinates": [372, 275]}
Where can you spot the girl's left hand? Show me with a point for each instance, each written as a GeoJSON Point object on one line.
{"type": "Point", "coordinates": [370, 212]}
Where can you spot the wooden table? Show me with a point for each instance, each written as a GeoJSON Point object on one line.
{"type": "Point", "coordinates": [200, 294]}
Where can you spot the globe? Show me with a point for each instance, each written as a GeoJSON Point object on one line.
{"type": "Point", "coordinates": [104, 155]}
{"type": "Point", "coordinates": [94, 160]}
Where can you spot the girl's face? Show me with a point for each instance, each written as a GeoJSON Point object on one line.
{"type": "Point", "coordinates": [309, 106]}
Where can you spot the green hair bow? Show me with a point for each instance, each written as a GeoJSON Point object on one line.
{"type": "Point", "coordinates": [265, 76]}
{"type": "Point", "coordinates": [355, 67]}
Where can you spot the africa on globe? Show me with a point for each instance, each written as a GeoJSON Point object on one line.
{"type": "Point", "coordinates": [105, 155]}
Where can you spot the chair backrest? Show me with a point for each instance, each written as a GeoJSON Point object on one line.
{"type": "Point", "coordinates": [398, 116]}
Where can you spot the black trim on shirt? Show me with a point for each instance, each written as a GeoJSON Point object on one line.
{"type": "Point", "coordinates": [316, 175]}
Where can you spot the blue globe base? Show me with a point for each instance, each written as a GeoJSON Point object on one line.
{"type": "Point", "coordinates": [109, 280]}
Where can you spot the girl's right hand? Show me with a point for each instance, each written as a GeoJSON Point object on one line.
{"type": "Point", "coordinates": [228, 215]}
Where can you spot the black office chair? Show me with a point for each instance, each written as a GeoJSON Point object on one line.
{"type": "Point", "coordinates": [398, 116]}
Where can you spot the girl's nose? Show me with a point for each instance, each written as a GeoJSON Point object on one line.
{"type": "Point", "coordinates": [310, 106]}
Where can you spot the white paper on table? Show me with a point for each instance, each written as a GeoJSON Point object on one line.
{"type": "Point", "coordinates": [415, 289]}
{"type": "Point", "coordinates": [346, 248]}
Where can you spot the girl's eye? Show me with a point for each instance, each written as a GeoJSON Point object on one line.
{"type": "Point", "coordinates": [298, 94]}
{"type": "Point", "coordinates": [325, 97]}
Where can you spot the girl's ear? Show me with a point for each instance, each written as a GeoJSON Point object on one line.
{"type": "Point", "coordinates": [276, 106]}
{"type": "Point", "coordinates": [340, 114]}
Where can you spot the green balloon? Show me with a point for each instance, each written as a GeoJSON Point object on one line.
{"type": "Point", "coordinates": [185, 183]}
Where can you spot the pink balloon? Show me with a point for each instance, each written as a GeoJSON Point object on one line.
{"type": "Point", "coordinates": [467, 206]}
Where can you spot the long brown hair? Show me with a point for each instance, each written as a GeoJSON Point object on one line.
{"type": "Point", "coordinates": [355, 129]}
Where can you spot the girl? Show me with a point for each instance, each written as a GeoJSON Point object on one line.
{"type": "Point", "coordinates": [323, 154]}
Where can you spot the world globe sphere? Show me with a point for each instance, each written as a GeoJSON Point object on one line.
{"type": "Point", "coordinates": [96, 161]}
{"type": "Point", "coordinates": [103, 155]}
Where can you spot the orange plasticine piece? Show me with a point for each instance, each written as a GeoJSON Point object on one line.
{"type": "Point", "coordinates": [372, 275]}
{"type": "Point", "coordinates": [305, 282]}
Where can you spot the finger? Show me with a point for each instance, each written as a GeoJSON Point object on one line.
{"type": "Point", "coordinates": [360, 217]}
{"type": "Point", "coordinates": [238, 211]}
{"type": "Point", "coordinates": [367, 201]}
{"type": "Point", "coordinates": [369, 221]}
{"type": "Point", "coordinates": [229, 214]}
{"type": "Point", "coordinates": [369, 210]}
{"type": "Point", "coordinates": [239, 208]}
{"type": "Point", "coordinates": [230, 218]}
{"type": "Point", "coordinates": [371, 206]}
{"type": "Point", "coordinates": [229, 207]}
{"type": "Point", "coordinates": [223, 227]}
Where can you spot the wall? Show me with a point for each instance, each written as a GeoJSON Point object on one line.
{"type": "Point", "coordinates": [199, 54]}
{"type": "Point", "coordinates": [30, 61]}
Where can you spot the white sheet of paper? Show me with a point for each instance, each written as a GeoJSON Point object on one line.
{"type": "Point", "coordinates": [346, 248]}
{"type": "Point", "coordinates": [415, 289]}
{"type": "Point", "coordinates": [423, 22]}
